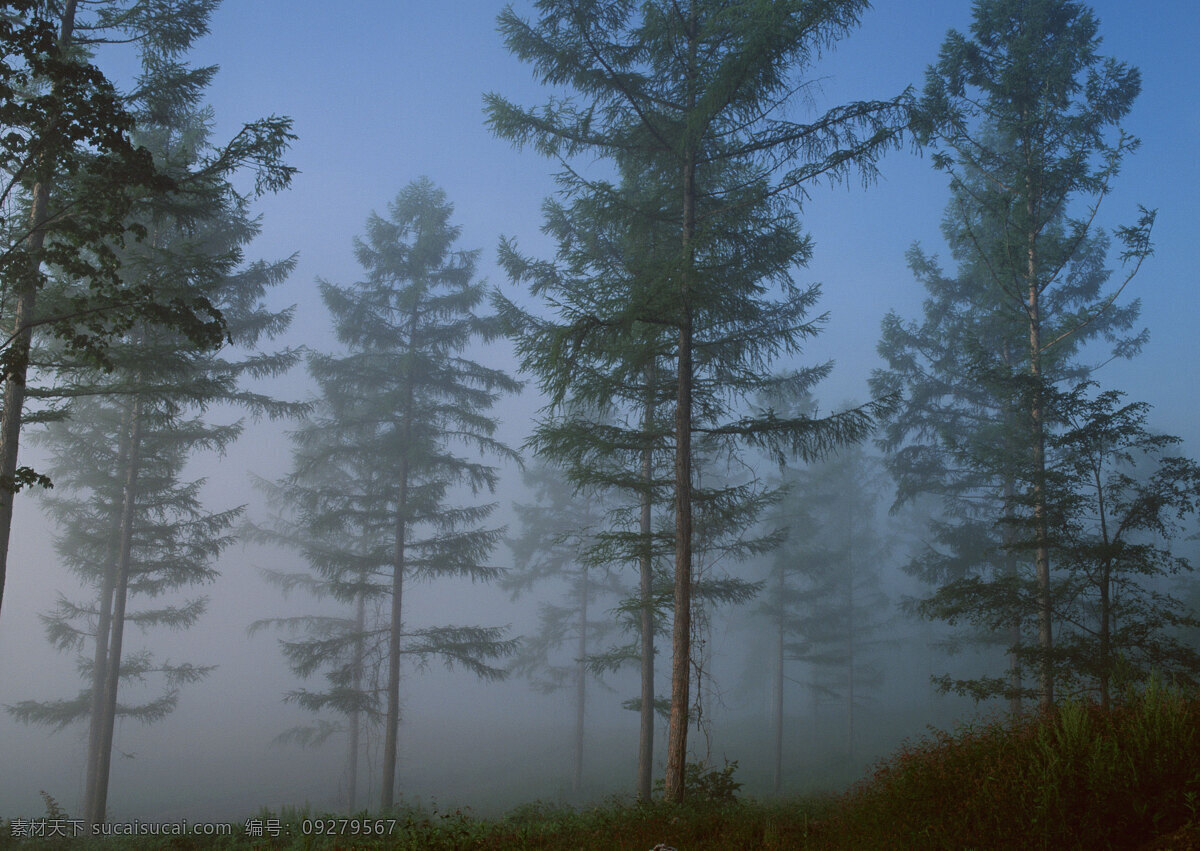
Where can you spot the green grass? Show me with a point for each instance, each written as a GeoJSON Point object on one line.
{"type": "Point", "coordinates": [1073, 778]}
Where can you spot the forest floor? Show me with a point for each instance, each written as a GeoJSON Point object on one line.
{"type": "Point", "coordinates": [1076, 777]}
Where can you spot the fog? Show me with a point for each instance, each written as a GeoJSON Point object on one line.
{"type": "Point", "coordinates": [381, 94]}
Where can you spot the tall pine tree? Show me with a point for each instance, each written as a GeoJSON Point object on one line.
{"type": "Point", "coordinates": [131, 527]}
{"type": "Point", "coordinates": [376, 468]}
{"type": "Point", "coordinates": [606, 424]}
{"type": "Point", "coordinates": [688, 95]}
{"type": "Point", "coordinates": [1024, 115]}
{"type": "Point", "coordinates": [552, 545]}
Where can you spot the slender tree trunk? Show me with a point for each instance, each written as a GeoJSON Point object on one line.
{"type": "Point", "coordinates": [1038, 426]}
{"type": "Point", "coordinates": [646, 564]}
{"type": "Point", "coordinates": [392, 721]}
{"type": "Point", "coordinates": [391, 733]}
{"type": "Point", "coordinates": [25, 300]}
{"type": "Point", "coordinates": [673, 785]}
{"type": "Point", "coordinates": [1015, 682]}
{"type": "Point", "coordinates": [581, 684]}
{"type": "Point", "coordinates": [1106, 651]}
{"type": "Point", "coordinates": [1010, 572]}
{"type": "Point", "coordinates": [94, 810]}
{"type": "Point", "coordinates": [778, 695]}
{"type": "Point", "coordinates": [1008, 539]}
{"type": "Point", "coordinates": [851, 644]}
{"type": "Point", "coordinates": [14, 389]}
{"type": "Point", "coordinates": [96, 716]}
{"type": "Point", "coordinates": [360, 623]}
{"type": "Point", "coordinates": [850, 703]}
{"type": "Point", "coordinates": [1106, 655]}
{"type": "Point", "coordinates": [681, 633]}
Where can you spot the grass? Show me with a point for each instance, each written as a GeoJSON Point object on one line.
{"type": "Point", "coordinates": [1076, 777]}
{"type": "Point", "coordinates": [1072, 778]}
{"type": "Point", "coordinates": [615, 826]}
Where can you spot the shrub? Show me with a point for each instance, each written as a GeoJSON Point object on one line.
{"type": "Point", "coordinates": [708, 786]}
{"type": "Point", "coordinates": [1073, 777]}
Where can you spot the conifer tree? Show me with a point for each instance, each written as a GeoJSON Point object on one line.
{"type": "Point", "coordinates": [553, 543]}
{"type": "Point", "coordinates": [132, 528]}
{"type": "Point", "coordinates": [74, 181]}
{"type": "Point", "coordinates": [822, 590]}
{"type": "Point", "coordinates": [688, 95]}
{"type": "Point", "coordinates": [1024, 115]}
{"type": "Point", "coordinates": [605, 426]}
{"type": "Point", "coordinates": [375, 467]}
{"type": "Point", "coordinates": [1128, 495]}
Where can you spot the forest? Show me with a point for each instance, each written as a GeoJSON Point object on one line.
{"type": "Point", "coordinates": [588, 423]}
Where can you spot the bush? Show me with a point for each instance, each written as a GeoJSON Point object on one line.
{"type": "Point", "coordinates": [1071, 778]}
{"type": "Point", "coordinates": [705, 786]}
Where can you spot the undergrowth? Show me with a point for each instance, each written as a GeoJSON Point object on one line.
{"type": "Point", "coordinates": [1076, 777]}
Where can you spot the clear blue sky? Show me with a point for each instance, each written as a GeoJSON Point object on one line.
{"type": "Point", "coordinates": [384, 91]}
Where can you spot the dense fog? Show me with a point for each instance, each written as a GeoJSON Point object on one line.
{"type": "Point", "coordinates": [382, 95]}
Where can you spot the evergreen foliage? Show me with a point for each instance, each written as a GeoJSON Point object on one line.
{"type": "Point", "coordinates": [64, 123]}
{"type": "Point", "coordinates": [75, 183]}
{"type": "Point", "coordinates": [376, 469]}
{"type": "Point", "coordinates": [1024, 116]}
{"type": "Point", "coordinates": [1123, 497]}
{"type": "Point", "coordinates": [685, 99]}
{"type": "Point", "coordinates": [822, 592]}
{"type": "Point", "coordinates": [131, 529]}
{"type": "Point", "coordinates": [553, 546]}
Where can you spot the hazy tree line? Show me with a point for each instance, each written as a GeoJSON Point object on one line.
{"type": "Point", "coordinates": [665, 336]}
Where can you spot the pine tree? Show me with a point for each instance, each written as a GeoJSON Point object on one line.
{"type": "Point", "coordinates": [554, 542]}
{"type": "Point", "coordinates": [822, 591]}
{"type": "Point", "coordinates": [1129, 496]}
{"type": "Point", "coordinates": [131, 526]}
{"type": "Point", "coordinates": [374, 469]}
{"type": "Point", "coordinates": [67, 143]}
{"type": "Point", "coordinates": [605, 422]}
{"type": "Point", "coordinates": [959, 435]}
{"type": "Point", "coordinates": [44, 82]}
{"type": "Point", "coordinates": [1024, 115]}
{"type": "Point", "coordinates": [687, 94]}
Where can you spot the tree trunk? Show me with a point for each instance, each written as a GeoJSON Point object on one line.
{"type": "Point", "coordinates": [1106, 651]}
{"type": "Point", "coordinates": [100, 660]}
{"type": "Point", "coordinates": [392, 722]}
{"type": "Point", "coordinates": [681, 633]}
{"type": "Point", "coordinates": [581, 684]}
{"type": "Point", "coordinates": [25, 300]}
{"type": "Point", "coordinates": [778, 695]}
{"type": "Point", "coordinates": [1010, 572]}
{"type": "Point", "coordinates": [851, 644]}
{"type": "Point", "coordinates": [94, 809]}
{"type": "Point", "coordinates": [360, 623]}
{"type": "Point", "coordinates": [1038, 426]}
{"type": "Point", "coordinates": [646, 563]}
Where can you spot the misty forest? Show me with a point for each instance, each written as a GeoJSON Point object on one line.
{"type": "Point", "coordinates": [532, 467]}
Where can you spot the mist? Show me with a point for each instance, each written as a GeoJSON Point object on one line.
{"type": "Point", "coordinates": [386, 99]}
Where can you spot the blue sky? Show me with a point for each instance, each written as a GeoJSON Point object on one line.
{"type": "Point", "coordinates": [382, 92]}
